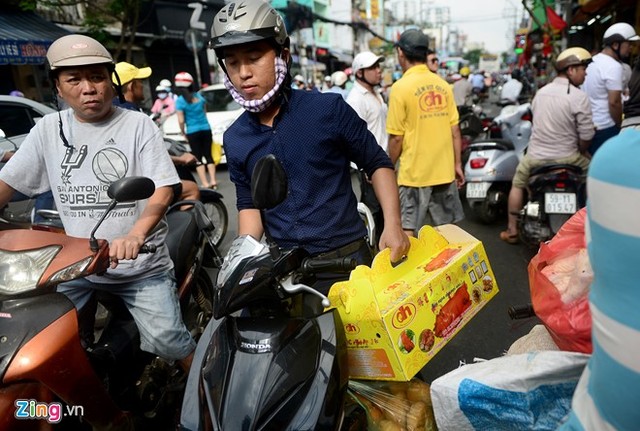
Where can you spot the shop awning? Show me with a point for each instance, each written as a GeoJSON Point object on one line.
{"type": "Point", "coordinates": [25, 37]}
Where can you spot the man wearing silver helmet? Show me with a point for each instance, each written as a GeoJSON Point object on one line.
{"type": "Point", "coordinates": [314, 135]}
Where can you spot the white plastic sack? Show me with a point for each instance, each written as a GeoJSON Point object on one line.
{"type": "Point", "coordinates": [530, 391]}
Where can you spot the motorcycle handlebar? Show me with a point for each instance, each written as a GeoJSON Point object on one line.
{"type": "Point", "coordinates": [319, 265]}
{"type": "Point", "coordinates": [148, 248]}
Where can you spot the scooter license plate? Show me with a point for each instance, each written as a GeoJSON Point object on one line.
{"type": "Point", "coordinates": [560, 203]}
{"type": "Point", "coordinates": [477, 190]}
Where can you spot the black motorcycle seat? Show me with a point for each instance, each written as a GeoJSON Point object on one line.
{"type": "Point", "coordinates": [182, 235]}
{"type": "Point", "coordinates": [553, 167]}
{"type": "Point", "coordinates": [488, 144]}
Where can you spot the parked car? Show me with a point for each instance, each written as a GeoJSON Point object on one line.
{"type": "Point", "coordinates": [17, 116]}
{"type": "Point", "coordinates": [222, 111]}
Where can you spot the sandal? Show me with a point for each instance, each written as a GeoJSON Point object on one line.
{"type": "Point", "coordinates": [509, 238]}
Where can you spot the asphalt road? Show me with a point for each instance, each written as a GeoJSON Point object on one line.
{"type": "Point", "coordinates": [490, 333]}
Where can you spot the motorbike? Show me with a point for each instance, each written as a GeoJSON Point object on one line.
{"type": "Point", "coordinates": [471, 127]}
{"type": "Point", "coordinates": [273, 357]}
{"type": "Point", "coordinates": [211, 199]}
{"type": "Point", "coordinates": [47, 378]}
{"type": "Point", "coordinates": [556, 192]}
{"type": "Point", "coordinates": [492, 162]}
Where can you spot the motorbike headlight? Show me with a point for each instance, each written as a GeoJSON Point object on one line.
{"type": "Point", "coordinates": [242, 248]}
{"type": "Point", "coordinates": [21, 270]}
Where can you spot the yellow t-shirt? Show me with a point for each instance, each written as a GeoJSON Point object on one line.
{"type": "Point", "coordinates": [423, 110]}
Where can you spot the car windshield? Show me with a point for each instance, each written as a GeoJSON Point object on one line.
{"type": "Point", "coordinates": [219, 100]}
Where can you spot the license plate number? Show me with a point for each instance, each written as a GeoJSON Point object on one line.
{"type": "Point", "coordinates": [560, 203]}
{"type": "Point", "coordinates": [476, 190]}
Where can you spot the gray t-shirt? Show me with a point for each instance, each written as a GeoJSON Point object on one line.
{"type": "Point", "coordinates": [127, 144]}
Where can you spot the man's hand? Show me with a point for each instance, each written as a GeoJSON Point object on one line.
{"type": "Point", "coordinates": [460, 179]}
{"type": "Point", "coordinates": [394, 238]}
{"type": "Point", "coordinates": [126, 247]}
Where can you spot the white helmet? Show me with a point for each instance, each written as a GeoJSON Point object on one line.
{"type": "Point", "coordinates": [619, 32]}
{"type": "Point", "coordinates": [166, 83]}
{"type": "Point", "coordinates": [339, 78]}
{"type": "Point", "coordinates": [364, 60]}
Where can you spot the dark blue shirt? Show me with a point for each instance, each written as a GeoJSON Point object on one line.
{"type": "Point", "coordinates": [126, 105]}
{"type": "Point", "coordinates": [315, 136]}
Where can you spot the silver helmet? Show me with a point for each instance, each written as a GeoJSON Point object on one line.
{"type": "Point", "coordinates": [246, 21]}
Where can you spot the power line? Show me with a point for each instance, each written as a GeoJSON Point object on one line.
{"type": "Point", "coordinates": [481, 19]}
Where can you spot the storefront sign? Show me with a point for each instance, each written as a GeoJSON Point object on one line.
{"type": "Point", "coordinates": [23, 52]}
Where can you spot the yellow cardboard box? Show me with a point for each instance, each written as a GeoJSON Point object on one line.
{"type": "Point", "coordinates": [397, 318]}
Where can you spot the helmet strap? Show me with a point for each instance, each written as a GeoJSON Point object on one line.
{"type": "Point", "coordinates": [118, 87]}
{"type": "Point", "coordinates": [363, 79]}
{"type": "Point", "coordinates": [260, 105]}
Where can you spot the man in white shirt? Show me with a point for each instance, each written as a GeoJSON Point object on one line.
{"type": "Point", "coordinates": [339, 84]}
{"type": "Point", "coordinates": [511, 89]}
{"type": "Point", "coordinates": [604, 82]}
{"type": "Point", "coordinates": [366, 100]}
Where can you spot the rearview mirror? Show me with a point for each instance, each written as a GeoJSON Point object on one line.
{"type": "Point", "coordinates": [268, 183]}
{"type": "Point", "coordinates": [131, 189]}
{"type": "Point", "coordinates": [127, 189]}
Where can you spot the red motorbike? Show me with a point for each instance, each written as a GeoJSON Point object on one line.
{"type": "Point", "coordinates": [47, 379]}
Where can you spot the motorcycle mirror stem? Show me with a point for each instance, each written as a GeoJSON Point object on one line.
{"type": "Point", "coordinates": [127, 189]}
{"type": "Point", "coordinates": [93, 242]}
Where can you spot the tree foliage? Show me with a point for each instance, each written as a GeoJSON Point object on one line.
{"type": "Point", "coordinates": [96, 16]}
{"type": "Point", "coordinates": [473, 56]}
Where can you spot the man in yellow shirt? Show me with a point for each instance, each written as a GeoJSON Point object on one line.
{"type": "Point", "coordinates": [424, 138]}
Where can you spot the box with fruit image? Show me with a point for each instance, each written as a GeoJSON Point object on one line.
{"type": "Point", "coordinates": [397, 317]}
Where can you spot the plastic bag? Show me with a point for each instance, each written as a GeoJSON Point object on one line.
{"type": "Point", "coordinates": [216, 152]}
{"type": "Point", "coordinates": [531, 391]}
{"type": "Point", "coordinates": [559, 279]}
{"type": "Point", "coordinates": [395, 406]}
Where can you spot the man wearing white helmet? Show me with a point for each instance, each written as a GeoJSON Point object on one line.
{"type": "Point", "coordinates": [604, 82]}
{"type": "Point", "coordinates": [164, 104]}
{"type": "Point", "coordinates": [167, 85]}
{"type": "Point", "coordinates": [366, 100]}
{"type": "Point", "coordinates": [77, 153]}
{"type": "Point", "coordinates": [298, 82]}
{"type": "Point", "coordinates": [339, 84]}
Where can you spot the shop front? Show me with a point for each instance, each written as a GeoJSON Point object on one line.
{"type": "Point", "coordinates": [24, 40]}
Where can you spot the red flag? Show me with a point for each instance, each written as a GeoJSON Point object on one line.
{"type": "Point", "coordinates": [555, 21]}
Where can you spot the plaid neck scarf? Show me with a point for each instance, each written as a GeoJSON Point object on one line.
{"type": "Point", "coordinates": [266, 100]}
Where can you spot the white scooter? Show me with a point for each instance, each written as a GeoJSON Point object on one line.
{"type": "Point", "coordinates": [492, 163]}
